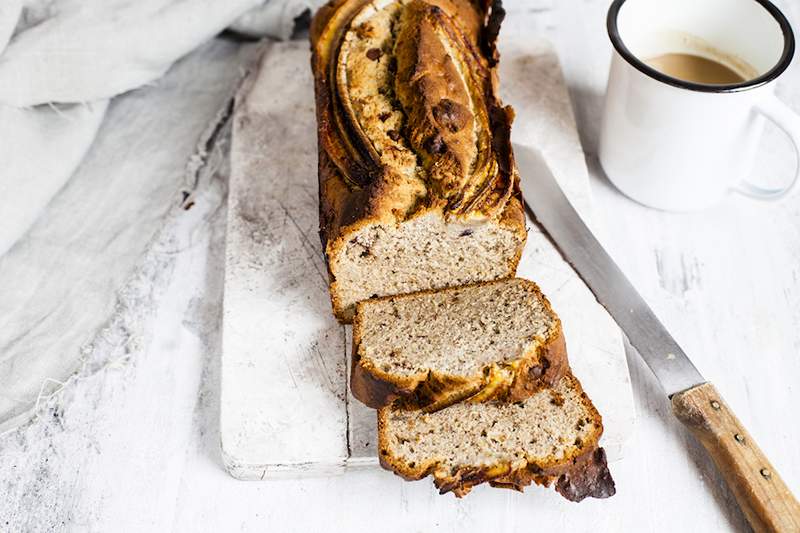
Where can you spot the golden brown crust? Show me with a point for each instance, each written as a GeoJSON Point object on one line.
{"type": "Point", "coordinates": [544, 370]}
{"type": "Point", "coordinates": [585, 476]}
{"type": "Point", "coordinates": [356, 189]}
{"type": "Point", "coordinates": [577, 476]}
{"type": "Point", "coordinates": [433, 57]}
{"type": "Point", "coordinates": [432, 391]}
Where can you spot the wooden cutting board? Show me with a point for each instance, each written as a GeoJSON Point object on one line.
{"type": "Point", "coordinates": [285, 407]}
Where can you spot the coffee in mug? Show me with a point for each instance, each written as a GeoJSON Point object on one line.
{"type": "Point", "coordinates": [694, 68]}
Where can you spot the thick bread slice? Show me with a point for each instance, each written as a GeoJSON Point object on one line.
{"type": "Point", "coordinates": [417, 182]}
{"type": "Point", "coordinates": [492, 340]}
{"type": "Point", "coordinates": [551, 436]}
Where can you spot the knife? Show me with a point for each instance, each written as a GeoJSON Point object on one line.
{"type": "Point", "coordinates": [766, 501]}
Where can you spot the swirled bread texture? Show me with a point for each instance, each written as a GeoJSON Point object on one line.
{"type": "Point", "coordinates": [417, 181]}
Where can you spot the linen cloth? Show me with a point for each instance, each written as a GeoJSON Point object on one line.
{"type": "Point", "coordinates": [90, 165]}
{"type": "Point", "coordinates": [57, 56]}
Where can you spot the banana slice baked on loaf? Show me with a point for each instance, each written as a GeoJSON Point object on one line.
{"type": "Point", "coordinates": [550, 437]}
{"type": "Point", "coordinates": [492, 340]}
{"type": "Point", "coordinates": [418, 186]}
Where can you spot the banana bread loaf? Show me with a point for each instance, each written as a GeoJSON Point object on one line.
{"type": "Point", "coordinates": [492, 340]}
{"type": "Point", "coordinates": [550, 437]}
{"type": "Point", "coordinates": [417, 181]}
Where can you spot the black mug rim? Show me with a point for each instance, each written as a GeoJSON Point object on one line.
{"type": "Point", "coordinates": [644, 68]}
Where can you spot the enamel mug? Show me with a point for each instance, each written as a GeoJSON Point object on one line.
{"type": "Point", "coordinates": [682, 146]}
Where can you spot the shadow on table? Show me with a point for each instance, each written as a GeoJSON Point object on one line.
{"type": "Point", "coordinates": [652, 402]}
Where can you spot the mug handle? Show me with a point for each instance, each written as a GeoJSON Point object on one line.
{"type": "Point", "coordinates": [785, 118]}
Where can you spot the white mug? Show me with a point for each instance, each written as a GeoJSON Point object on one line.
{"type": "Point", "coordinates": [682, 146]}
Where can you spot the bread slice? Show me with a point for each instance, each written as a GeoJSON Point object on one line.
{"type": "Point", "coordinates": [417, 181]}
{"type": "Point", "coordinates": [492, 340]}
{"type": "Point", "coordinates": [551, 436]}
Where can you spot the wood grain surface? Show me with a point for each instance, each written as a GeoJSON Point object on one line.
{"type": "Point", "coordinates": [284, 354]}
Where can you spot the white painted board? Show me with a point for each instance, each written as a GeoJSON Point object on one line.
{"type": "Point", "coordinates": [285, 406]}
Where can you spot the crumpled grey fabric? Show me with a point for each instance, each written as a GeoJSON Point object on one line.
{"type": "Point", "coordinates": [64, 282]}
{"type": "Point", "coordinates": [101, 105]}
{"type": "Point", "coordinates": [61, 60]}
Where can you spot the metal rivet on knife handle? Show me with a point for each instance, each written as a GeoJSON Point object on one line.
{"type": "Point", "coordinates": [764, 498]}
{"type": "Point", "coordinates": [715, 405]}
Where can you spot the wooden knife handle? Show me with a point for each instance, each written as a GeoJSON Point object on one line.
{"type": "Point", "coordinates": [764, 498]}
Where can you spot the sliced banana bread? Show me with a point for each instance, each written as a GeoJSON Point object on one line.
{"type": "Point", "coordinates": [551, 436]}
{"type": "Point", "coordinates": [492, 340]}
{"type": "Point", "coordinates": [417, 182]}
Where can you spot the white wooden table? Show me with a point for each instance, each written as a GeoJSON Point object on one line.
{"type": "Point", "coordinates": [134, 447]}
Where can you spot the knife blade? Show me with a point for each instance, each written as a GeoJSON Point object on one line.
{"type": "Point", "coordinates": [766, 501]}
{"type": "Point", "coordinates": [547, 204]}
